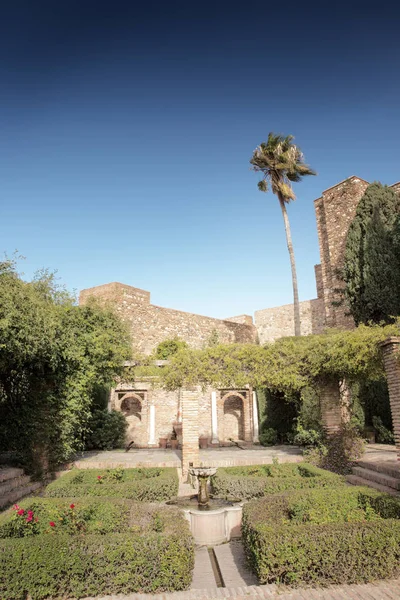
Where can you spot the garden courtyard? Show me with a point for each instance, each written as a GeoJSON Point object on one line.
{"type": "Point", "coordinates": [111, 532]}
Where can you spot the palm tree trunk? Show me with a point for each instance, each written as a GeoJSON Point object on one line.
{"type": "Point", "coordinates": [296, 305]}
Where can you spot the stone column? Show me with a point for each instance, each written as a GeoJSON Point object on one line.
{"type": "Point", "coordinates": [331, 410]}
{"type": "Point", "coordinates": [247, 420]}
{"type": "Point", "coordinates": [152, 425]}
{"type": "Point", "coordinates": [190, 430]}
{"type": "Point", "coordinates": [214, 419]}
{"type": "Point", "coordinates": [255, 419]}
{"type": "Point", "coordinates": [391, 357]}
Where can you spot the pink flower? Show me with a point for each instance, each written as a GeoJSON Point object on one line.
{"type": "Point", "coordinates": [15, 507]}
{"type": "Point", "coordinates": [72, 506]}
{"type": "Point", "coordinates": [29, 519]}
{"type": "Point", "coordinates": [52, 524]}
{"type": "Point", "coordinates": [30, 512]}
{"type": "Point", "coordinates": [21, 512]}
{"type": "Point", "coordinates": [98, 476]}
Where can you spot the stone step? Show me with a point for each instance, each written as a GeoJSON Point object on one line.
{"type": "Point", "coordinates": [10, 473]}
{"type": "Point", "coordinates": [356, 480]}
{"type": "Point", "coordinates": [378, 477]}
{"type": "Point", "coordinates": [9, 484]}
{"type": "Point", "coordinates": [390, 468]}
{"type": "Point", "coordinates": [18, 493]}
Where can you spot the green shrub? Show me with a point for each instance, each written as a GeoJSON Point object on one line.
{"type": "Point", "coordinates": [293, 538]}
{"type": "Point", "coordinates": [75, 515]}
{"type": "Point", "coordinates": [145, 485]}
{"type": "Point", "coordinates": [383, 435]}
{"type": "Point", "coordinates": [93, 565]}
{"type": "Point", "coordinates": [342, 449]}
{"type": "Point", "coordinates": [306, 437]}
{"type": "Point", "coordinates": [257, 481]}
{"type": "Point", "coordinates": [107, 430]}
{"type": "Point", "coordinates": [269, 437]}
{"type": "Point", "coordinates": [126, 547]}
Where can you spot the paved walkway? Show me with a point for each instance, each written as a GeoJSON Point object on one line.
{"type": "Point", "coordinates": [211, 457]}
{"type": "Point", "coordinates": [382, 590]}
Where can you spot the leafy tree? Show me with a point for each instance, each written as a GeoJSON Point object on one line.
{"type": "Point", "coordinates": [281, 162]}
{"type": "Point", "coordinates": [168, 348]}
{"type": "Point", "coordinates": [53, 355]}
{"type": "Point", "coordinates": [371, 269]}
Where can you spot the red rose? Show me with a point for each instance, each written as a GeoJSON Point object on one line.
{"type": "Point", "coordinates": [15, 507]}
{"type": "Point", "coordinates": [72, 506]}
{"type": "Point", "coordinates": [52, 524]}
{"type": "Point", "coordinates": [21, 512]}
{"type": "Point", "coordinates": [29, 519]}
{"type": "Point", "coordinates": [98, 476]}
{"type": "Point", "coordinates": [30, 512]}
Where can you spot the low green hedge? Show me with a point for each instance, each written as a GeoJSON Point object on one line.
{"type": "Point", "coordinates": [93, 565]}
{"type": "Point", "coordinates": [144, 485]}
{"type": "Point", "coordinates": [323, 536]}
{"type": "Point", "coordinates": [87, 515]}
{"type": "Point", "coordinates": [137, 548]}
{"type": "Point", "coordinates": [260, 480]}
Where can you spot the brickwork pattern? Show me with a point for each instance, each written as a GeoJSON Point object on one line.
{"type": "Point", "coordinates": [331, 410]}
{"type": "Point", "coordinates": [335, 211]}
{"type": "Point", "coordinates": [150, 324]}
{"type": "Point", "coordinates": [391, 357]}
{"type": "Point", "coordinates": [190, 430]}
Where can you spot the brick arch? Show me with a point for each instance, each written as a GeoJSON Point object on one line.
{"type": "Point", "coordinates": [233, 406]}
{"type": "Point", "coordinates": [131, 406]}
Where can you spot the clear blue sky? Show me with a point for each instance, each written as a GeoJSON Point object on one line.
{"type": "Point", "coordinates": [126, 135]}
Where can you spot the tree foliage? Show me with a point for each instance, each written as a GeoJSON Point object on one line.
{"type": "Point", "coordinates": [53, 355]}
{"type": "Point", "coordinates": [169, 347]}
{"type": "Point", "coordinates": [288, 365]}
{"type": "Point", "coordinates": [371, 268]}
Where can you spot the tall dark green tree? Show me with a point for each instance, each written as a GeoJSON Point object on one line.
{"type": "Point", "coordinates": [281, 163]}
{"type": "Point", "coordinates": [371, 267]}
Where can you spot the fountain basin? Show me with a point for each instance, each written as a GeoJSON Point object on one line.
{"type": "Point", "coordinates": [215, 525]}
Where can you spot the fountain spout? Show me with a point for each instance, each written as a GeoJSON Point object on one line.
{"type": "Point", "coordinates": [203, 474]}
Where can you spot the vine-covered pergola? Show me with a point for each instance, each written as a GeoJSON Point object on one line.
{"type": "Point", "coordinates": [330, 362]}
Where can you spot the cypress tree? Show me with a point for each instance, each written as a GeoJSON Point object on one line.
{"type": "Point", "coordinates": [371, 266]}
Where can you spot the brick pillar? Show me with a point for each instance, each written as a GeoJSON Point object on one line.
{"type": "Point", "coordinates": [248, 436]}
{"type": "Point", "coordinates": [190, 429]}
{"type": "Point", "coordinates": [331, 410]}
{"type": "Point", "coordinates": [335, 399]}
{"type": "Point", "coordinates": [391, 358]}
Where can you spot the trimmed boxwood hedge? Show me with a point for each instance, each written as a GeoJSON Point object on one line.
{"type": "Point", "coordinates": [92, 565]}
{"type": "Point", "coordinates": [155, 553]}
{"type": "Point", "coordinates": [144, 485]}
{"type": "Point", "coordinates": [291, 538]}
{"type": "Point", "coordinates": [260, 480]}
{"type": "Point", "coordinates": [93, 515]}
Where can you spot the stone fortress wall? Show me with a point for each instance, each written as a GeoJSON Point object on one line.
{"type": "Point", "coordinates": [225, 414]}
{"type": "Point", "coordinates": [150, 324]}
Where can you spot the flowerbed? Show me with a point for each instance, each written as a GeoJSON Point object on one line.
{"type": "Point", "coordinates": [346, 535]}
{"type": "Point", "coordinates": [259, 480]}
{"type": "Point", "coordinates": [90, 546]}
{"type": "Point", "coordinates": [144, 485]}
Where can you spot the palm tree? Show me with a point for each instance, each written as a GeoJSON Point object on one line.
{"type": "Point", "coordinates": [281, 162]}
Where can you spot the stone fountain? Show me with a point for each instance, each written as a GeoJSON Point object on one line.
{"type": "Point", "coordinates": [212, 520]}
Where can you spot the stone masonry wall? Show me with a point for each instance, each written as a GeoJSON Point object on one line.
{"type": "Point", "coordinates": [166, 410]}
{"type": "Point", "coordinates": [391, 357]}
{"type": "Point", "coordinates": [152, 324]}
{"type": "Point", "coordinates": [273, 323]}
{"type": "Point", "coordinates": [335, 211]}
